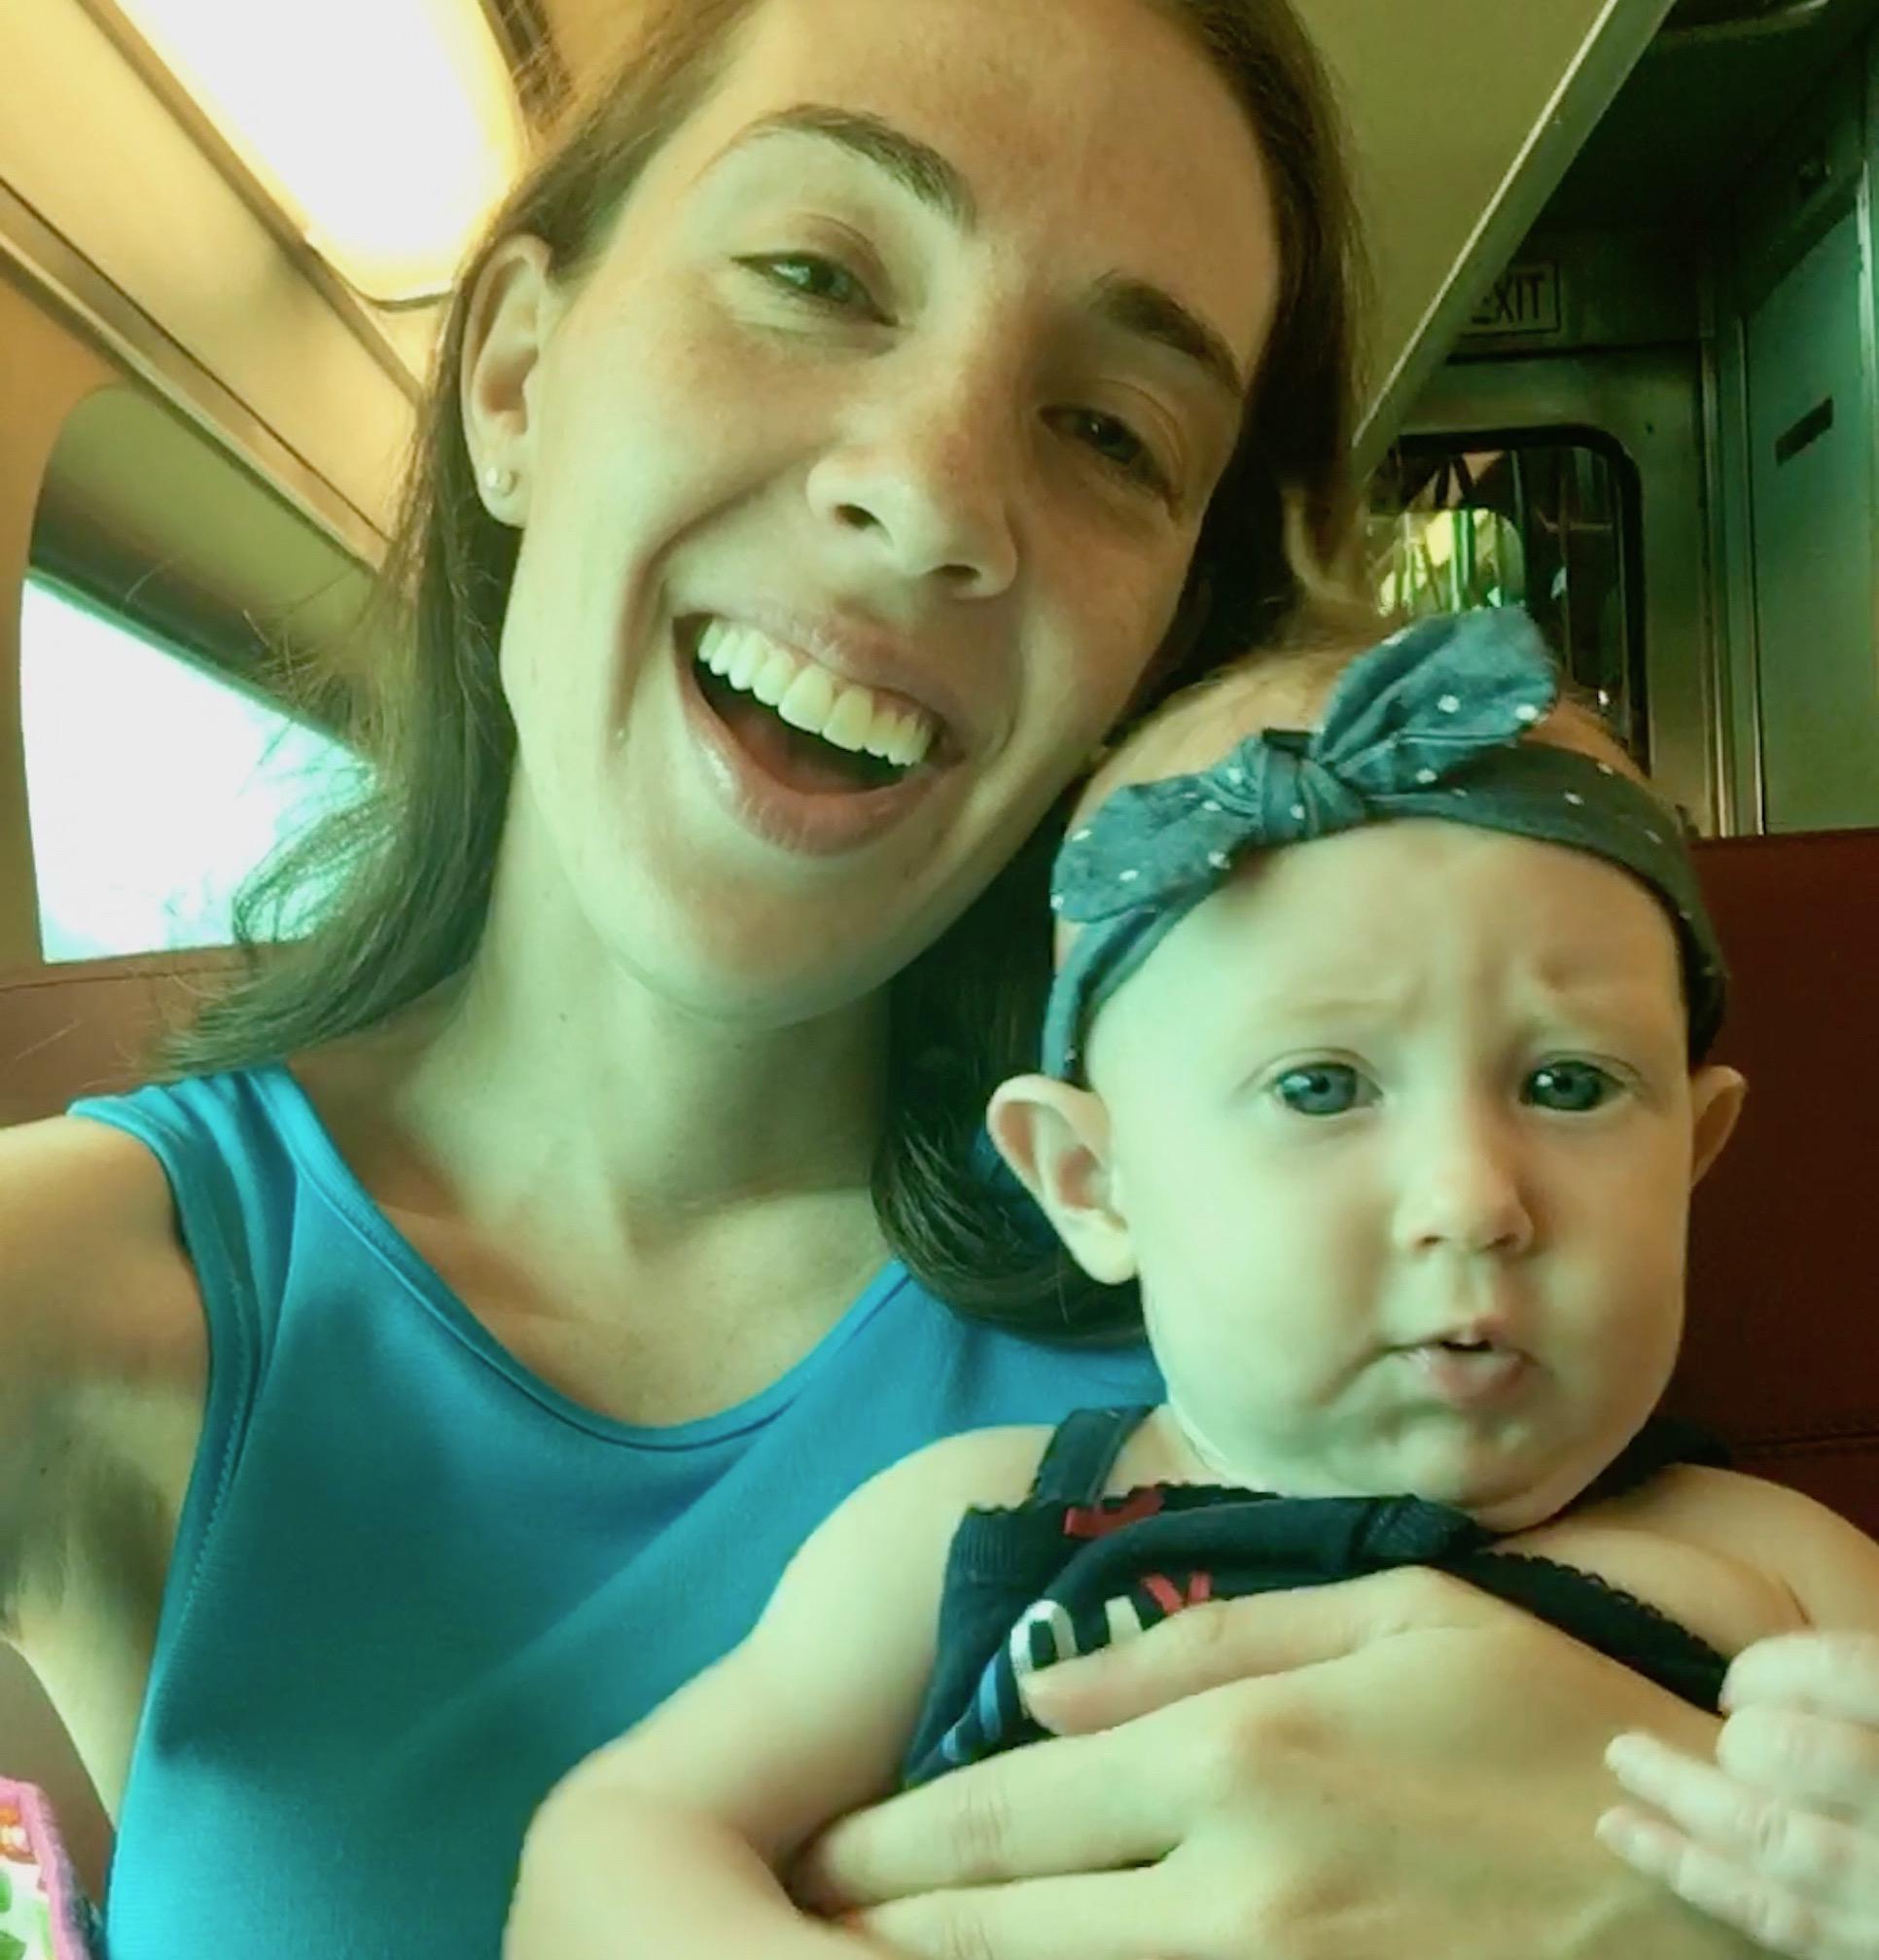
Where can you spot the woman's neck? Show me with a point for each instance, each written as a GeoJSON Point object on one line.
{"type": "Point", "coordinates": [548, 1094]}
{"type": "Point", "coordinates": [656, 1113]}
{"type": "Point", "coordinates": [659, 1228]}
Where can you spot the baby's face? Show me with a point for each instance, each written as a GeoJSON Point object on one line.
{"type": "Point", "coordinates": [1381, 1088]}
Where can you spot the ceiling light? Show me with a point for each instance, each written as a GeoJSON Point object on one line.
{"type": "Point", "coordinates": [385, 130]}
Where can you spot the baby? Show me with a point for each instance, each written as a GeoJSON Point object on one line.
{"type": "Point", "coordinates": [1377, 1056]}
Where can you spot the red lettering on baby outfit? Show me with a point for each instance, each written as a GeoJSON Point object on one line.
{"type": "Point", "coordinates": [1167, 1595]}
{"type": "Point", "coordinates": [1098, 1520]}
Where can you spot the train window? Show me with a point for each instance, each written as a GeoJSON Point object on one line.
{"type": "Point", "coordinates": [154, 785]}
{"type": "Point", "coordinates": [1542, 518]}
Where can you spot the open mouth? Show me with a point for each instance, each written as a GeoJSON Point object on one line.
{"type": "Point", "coordinates": [802, 726]}
{"type": "Point", "coordinates": [1485, 1351]}
{"type": "Point", "coordinates": [1468, 1374]}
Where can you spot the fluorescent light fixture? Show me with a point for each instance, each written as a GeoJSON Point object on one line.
{"type": "Point", "coordinates": [385, 130]}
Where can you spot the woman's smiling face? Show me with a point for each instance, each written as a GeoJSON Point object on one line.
{"type": "Point", "coordinates": [918, 351]}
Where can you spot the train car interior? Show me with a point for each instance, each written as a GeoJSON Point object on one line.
{"type": "Point", "coordinates": [1624, 373]}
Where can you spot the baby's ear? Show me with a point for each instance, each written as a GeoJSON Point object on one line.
{"type": "Point", "coordinates": [1716, 1098]}
{"type": "Point", "coordinates": [1056, 1140]}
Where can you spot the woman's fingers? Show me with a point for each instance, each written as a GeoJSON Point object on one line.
{"type": "Point", "coordinates": [1116, 1916]}
{"type": "Point", "coordinates": [1425, 1794]}
{"type": "Point", "coordinates": [1076, 1806]}
{"type": "Point", "coordinates": [1208, 1645]}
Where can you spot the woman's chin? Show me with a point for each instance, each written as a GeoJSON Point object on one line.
{"type": "Point", "coordinates": [764, 964]}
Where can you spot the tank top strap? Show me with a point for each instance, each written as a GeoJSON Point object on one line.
{"type": "Point", "coordinates": [1082, 1453]}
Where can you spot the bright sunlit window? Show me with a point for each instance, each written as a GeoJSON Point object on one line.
{"type": "Point", "coordinates": [387, 130]}
{"type": "Point", "coordinates": [152, 788]}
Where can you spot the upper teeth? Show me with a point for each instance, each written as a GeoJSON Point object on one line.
{"type": "Point", "coordinates": [810, 698]}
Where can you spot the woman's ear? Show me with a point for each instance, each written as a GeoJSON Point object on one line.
{"type": "Point", "coordinates": [513, 309]}
{"type": "Point", "coordinates": [1715, 1099]}
{"type": "Point", "coordinates": [1056, 1140]}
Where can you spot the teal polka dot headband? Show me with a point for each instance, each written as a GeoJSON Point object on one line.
{"type": "Point", "coordinates": [1427, 725]}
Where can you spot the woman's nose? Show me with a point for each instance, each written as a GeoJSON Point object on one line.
{"type": "Point", "coordinates": [927, 488]}
{"type": "Point", "coordinates": [1464, 1189]}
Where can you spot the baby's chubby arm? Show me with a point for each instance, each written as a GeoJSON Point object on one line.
{"type": "Point", "coordinates": [669, 1840]}
{"type": "Point", "coordinates": [1779, 1835]}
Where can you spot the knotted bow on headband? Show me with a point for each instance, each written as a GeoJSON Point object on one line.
{"type": "Point", "coordinates": [1427, 725]}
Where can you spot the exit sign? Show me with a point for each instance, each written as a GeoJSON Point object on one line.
{"type": "Point", "coordinates": [1525, 299]}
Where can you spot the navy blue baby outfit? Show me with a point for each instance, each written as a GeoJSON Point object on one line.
{"type": "Point", "coordinates": [1066, 1571]}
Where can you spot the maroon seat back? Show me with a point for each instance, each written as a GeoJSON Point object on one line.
{"type": "Point", "coordinates": [87, 1028]}
{"type": "Point", "coordinates": [1782, 1353]}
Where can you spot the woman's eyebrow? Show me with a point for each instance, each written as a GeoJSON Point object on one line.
{"type": "Point", "coordinates": [912, 164]}
{"type": "Point", "coordinates": [1132, 305]}
{"type": "Point", "coordinates": [1135, 307]}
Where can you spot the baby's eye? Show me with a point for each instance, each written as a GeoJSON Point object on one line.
{"type": "Point", "coordinates": [1323, 1088]}
{"type": "Point", "coordinates": [1575, 1088]}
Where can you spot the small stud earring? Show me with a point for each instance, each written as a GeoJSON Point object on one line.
{"type": "Point", "coordinates": [497, 481]}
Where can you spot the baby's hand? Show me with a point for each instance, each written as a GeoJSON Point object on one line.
{"type": "Point", "coordinates": [1780, 1835]}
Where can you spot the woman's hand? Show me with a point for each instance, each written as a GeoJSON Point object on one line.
{"type": "Point", "coordinates": [1396, 1765]}
{"type": "Point", "coordinates": [1780, 1827]}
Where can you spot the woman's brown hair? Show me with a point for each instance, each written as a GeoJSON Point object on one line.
{"type": "Point", "coordinates": [398, 883]}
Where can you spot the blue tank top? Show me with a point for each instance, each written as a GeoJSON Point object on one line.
{"type": "Point", "coordinates": [413, 1584]}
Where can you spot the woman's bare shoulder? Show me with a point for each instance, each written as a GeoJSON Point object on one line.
{"type": "Point", "coordinates": [94, 1284]}
{"type": "Point", "coordinates": [101, 1327]}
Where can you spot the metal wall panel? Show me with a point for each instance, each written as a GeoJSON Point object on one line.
{"type": "Point", "coordinates": [1810, 493]}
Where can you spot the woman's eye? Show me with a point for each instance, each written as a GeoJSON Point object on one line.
{"type": "Point", "coordinates": [1575, 1088]}
{"type": "Point", "coordinates": [1118, 446]}
{"type": "Point", "coordinates": [1323, 1088]}
{"type": "Point", "coordinates": [809, 276]}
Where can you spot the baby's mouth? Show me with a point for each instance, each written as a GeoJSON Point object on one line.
{"type": "Point", "coordinates": [805, 727]}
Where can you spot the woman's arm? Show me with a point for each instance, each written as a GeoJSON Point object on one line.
{"type": "Point", "coordinates": [1394, 1764]}
{"type": "Point", "coordinates": [95, 1293]}
{"type": "Point", "coordinates": [667, 1841]}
